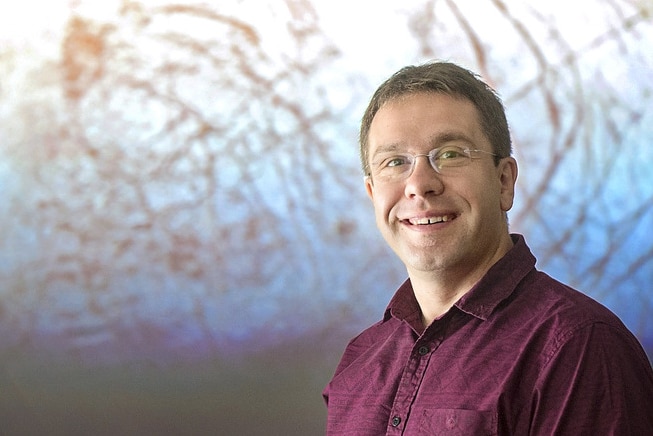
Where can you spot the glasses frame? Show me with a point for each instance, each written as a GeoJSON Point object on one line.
{"type": "Point", "coordinates": [431, 159]}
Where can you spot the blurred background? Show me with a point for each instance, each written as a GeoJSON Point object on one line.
{"type": "Point", "coordinates": [185, 242]}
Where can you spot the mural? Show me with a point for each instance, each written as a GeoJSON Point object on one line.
{"type": "Point", "coordinates": [186, 245]}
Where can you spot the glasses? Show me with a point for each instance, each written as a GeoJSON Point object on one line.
{"type": "Point", "coordinates": [399, 166]}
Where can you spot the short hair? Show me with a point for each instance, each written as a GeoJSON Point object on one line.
{"type": "Point", "coordinates": [445, 78]}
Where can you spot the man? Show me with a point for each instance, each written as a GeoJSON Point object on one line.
{"type": "Point", "coordinates": [476, 341]}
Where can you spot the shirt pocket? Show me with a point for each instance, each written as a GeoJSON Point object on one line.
{"type": "Point", "coordinates": [453, 422]}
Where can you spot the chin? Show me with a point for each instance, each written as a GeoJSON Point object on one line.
{"type": "Point", "coordinates": [424, 263]}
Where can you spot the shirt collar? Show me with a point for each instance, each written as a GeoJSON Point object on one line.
{"type": "Point", "coordinates": [497, 284]}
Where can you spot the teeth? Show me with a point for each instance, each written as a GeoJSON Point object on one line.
{"type": "Point", "coordinates": [431, 220]}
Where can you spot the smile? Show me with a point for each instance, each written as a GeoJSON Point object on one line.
{"type": "Point", "coordinates": [430, 220]}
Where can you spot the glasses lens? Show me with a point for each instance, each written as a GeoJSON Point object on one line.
{"type": "Point", "coordinates": [394, 166]}
{"type": "Point", "coordinates": [450, 156]}
{"type": "Point", "coordinates": [400, 166]}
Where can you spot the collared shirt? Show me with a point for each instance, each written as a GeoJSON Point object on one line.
{"type": "Point", "coordinates": [519, 354]}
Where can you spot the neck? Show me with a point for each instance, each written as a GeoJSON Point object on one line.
{"type": "Point", "coordinates": [434, 296]}
{"type": "Point", "coordinates": [437, 291]}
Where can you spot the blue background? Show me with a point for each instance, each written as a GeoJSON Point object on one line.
{"type": "Point", "coordinates": [185, 242]}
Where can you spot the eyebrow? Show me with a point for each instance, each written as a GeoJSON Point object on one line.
{"type": "Point", "coordinates": [435, 141]}
{"type": "Point", "coordinates": [445, 137]}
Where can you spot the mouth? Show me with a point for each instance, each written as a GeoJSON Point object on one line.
{"type": "Point", "coordinates": [427, 221]}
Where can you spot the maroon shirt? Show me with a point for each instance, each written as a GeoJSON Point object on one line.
{"type": "Point", "coordinates": [520, 354]}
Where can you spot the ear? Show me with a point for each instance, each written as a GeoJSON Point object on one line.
{"type": "Point", "coordinates": [369, 187]}
{"type": "Point", "coordinates": [507, 171]}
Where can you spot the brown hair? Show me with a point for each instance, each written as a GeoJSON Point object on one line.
{"type": "Point", "coordinates": [446, 78]}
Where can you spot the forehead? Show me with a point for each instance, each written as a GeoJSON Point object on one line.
{"type": "Point", "coordinates": [415, 122]}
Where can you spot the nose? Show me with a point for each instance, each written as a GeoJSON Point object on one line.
{"type": "Point", "coordinates": [424, 180]}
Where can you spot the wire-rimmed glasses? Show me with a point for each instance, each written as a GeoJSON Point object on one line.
{"type": "Point", "coordinates": [392, 167]}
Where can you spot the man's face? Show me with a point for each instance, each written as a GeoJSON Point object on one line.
{"type": "Point", "coordinates": [464, 205]}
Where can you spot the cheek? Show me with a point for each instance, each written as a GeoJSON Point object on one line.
{"type": "Point", "coordinates": [476, 197]}
{"type": "Point", "coordinates": [490, 199]}
{"type": "Point", "coordinates": [384, 202]}
{"type": "Point", "coordinates": [381, 211]}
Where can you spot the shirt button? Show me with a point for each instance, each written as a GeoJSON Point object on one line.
{"type": "Point", "coordinates": [396, 421]}
{"type": "Point", "coordinates": [423, 350]}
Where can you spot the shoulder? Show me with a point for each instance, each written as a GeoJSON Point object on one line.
{"type": "Point", "coordinates": [380, 331]}
{"type": "Point", "coordinates": [566, 316]}
{"type": "Point", "coordinates": [373, 342]}
{"type": "Point", "coordinates": [587, 372]}
{"type": "Point", "coordinates": [551, 299]}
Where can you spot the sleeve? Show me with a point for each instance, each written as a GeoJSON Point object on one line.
{"type": "Point", "coordinates": [597, 381]}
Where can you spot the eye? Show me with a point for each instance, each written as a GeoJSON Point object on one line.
{"type": "Point", "coordinates": [451, 153]}
{"type": "Point", "coordinates": [395, 161]}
